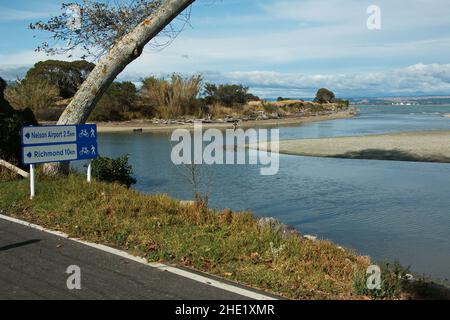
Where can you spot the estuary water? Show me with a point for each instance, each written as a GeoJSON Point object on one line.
{"type": "Point", "coordinates": [385, 209]}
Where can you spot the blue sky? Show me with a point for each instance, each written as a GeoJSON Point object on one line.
{"type": "Point", "coordinates": [279, 47]}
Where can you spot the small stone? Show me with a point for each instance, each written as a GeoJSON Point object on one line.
{"type": "Point", "coordinates": [277, 226]}
{"type": "Point", "coordinates": [309, 237]}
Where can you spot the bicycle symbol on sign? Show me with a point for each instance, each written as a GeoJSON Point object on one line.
{"type": "Point", "coordinates": [84, 134]}
{"type": "Point", "coordinates": [84, 151]}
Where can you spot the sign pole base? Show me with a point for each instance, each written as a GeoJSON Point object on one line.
{"type": "Point", "coordinates": [32, 190]}
{"type": "Point", "coordinates": [89, 172]}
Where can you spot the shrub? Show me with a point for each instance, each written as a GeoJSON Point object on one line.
{"type": "Point", "coordinates": [113, 170]}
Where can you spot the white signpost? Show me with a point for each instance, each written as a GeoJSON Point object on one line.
{"type": "Point", "coordinates": [47, 144]}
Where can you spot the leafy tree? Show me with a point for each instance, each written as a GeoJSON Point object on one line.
{"type": "Point", "coordinates": [227, 94]}
{"type": "Point", "coordinates": [119, 100]}
{"type": "Point", "coordinates": [324, 96]}
{"type": "Point", "coordinates": [67, 76]}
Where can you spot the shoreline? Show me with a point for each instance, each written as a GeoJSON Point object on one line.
{"type": "Point", "coordinates": [416, 146]}
{"type": "Point", "coordinates": [149, 127]}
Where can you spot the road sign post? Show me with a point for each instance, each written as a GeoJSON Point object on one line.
{"type": "Point", "coordinates": [47, 144]}
{"type": "Point", "coordinates": [32, 190]}
{"type": "Point", "coordinates": [89, 172]}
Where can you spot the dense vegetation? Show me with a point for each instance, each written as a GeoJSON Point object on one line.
{"type": "Point", "coordinates": [11, 121]}
{"type": "Point", "coordinates": [67, 76]}
{"type": "Point", "coordinates": [118, 103]}
{"type": "Point", "coordinates": [227, 95]}
{"type": "Point", "coordinates": [171, 98]}
{"type": "Point", "coordinates": [49, 86]}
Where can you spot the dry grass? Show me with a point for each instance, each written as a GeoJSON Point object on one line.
{"type": "Point", "coordinates": [37, 95]}
{"type": "Point", "coordinates": [7, 175]}
{"type": "Point", "coordinates": [173, 98]}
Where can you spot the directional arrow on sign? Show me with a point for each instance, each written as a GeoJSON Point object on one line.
{"type": "Point", "coordinates": [29, 154]}
{"type": "Point", "coordinates": [27, 135]}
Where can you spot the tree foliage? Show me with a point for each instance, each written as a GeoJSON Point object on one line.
{"type": "Point", "coordinates": [117, 103]}
{"type": "Point", "coordinates": [324, 96]}
{"type": "Point", "coordinates": [227, 94]}
{"type": "Point", "coordinates": [67, 76]}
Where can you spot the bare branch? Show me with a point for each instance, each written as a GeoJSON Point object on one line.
{"type": "Point", "coordinates": [101, 25]}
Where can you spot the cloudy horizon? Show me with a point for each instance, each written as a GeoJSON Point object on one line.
{"type": "Point", "coordinates": [279, 48]}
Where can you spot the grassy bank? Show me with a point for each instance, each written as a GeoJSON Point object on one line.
{"type": "Point", "coordinates": [227, 244]}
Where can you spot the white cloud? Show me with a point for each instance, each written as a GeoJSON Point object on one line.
{"type": "Point", "coordinates": [418, 78]}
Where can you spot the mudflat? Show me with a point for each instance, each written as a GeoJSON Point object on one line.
{"type": "Point", "coordinates": [428, 146]}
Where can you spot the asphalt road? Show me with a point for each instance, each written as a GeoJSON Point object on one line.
{"type": "Point", "coordinates": [33, 266]}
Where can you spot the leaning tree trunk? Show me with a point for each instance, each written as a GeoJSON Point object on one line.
{"type": "Point", "coordinates": [125, 51]}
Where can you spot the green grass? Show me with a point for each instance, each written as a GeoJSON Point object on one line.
{"type": "Point", "coordinates": [230, 245]}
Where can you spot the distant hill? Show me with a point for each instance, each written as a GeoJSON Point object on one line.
{"type": "Point", "coordinates": [420, 100]}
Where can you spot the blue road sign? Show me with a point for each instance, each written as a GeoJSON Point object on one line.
{"type": "Point", "coordinates": [47, 144]}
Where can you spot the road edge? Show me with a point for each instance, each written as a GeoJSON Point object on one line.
{"type": "Point", "coordinates": [195, 276]}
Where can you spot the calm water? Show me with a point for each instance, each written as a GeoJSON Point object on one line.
{"type": "Point", "coordinates": [385, 209]}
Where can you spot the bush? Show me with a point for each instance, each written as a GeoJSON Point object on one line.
{"type": "Point", "coordinates": [113, 170]}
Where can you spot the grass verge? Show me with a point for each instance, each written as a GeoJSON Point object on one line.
{"type": "Point", "coordinates": [159, 228]}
